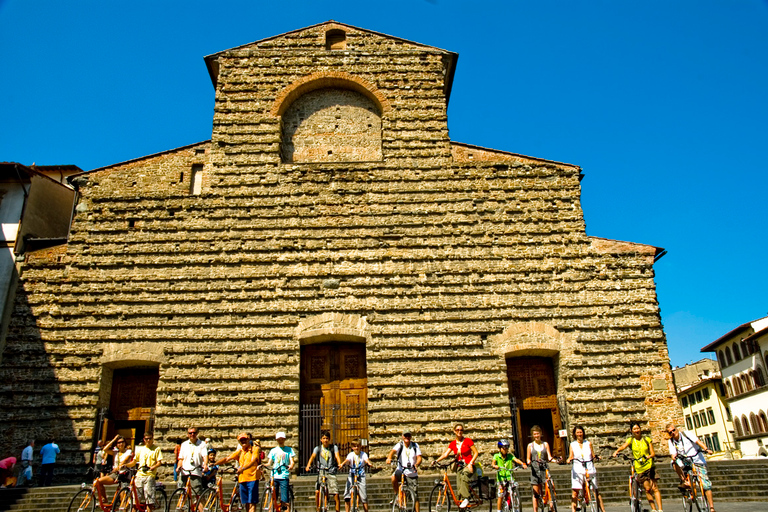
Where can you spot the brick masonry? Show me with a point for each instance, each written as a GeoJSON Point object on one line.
{"type": "Point", "coordinates": [443, 258]}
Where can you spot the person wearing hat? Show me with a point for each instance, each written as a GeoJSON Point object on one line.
{"type": "Point", "coordinates": [281, 460]}
{"type": "Point", "coordinates": [248, 472]}
{"type": "Point", "coordinates": [407, 456]}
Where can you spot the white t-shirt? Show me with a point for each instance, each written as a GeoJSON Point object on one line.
{"type": "Point", "coordinates": [121, 458]}
{"type": "Point", "coordinates": [688, 446]}
{"type": "Point", "coordinates": [193, 456]}
{"type": "Point", "coordinates": [26, 454]}
{"type": "Point", "coordinates": [357, 462]}
{"type": "Point", "coordinates": [408, 456]}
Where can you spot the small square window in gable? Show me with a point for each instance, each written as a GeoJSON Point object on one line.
{"type": "Point", "coordinates": [335, 39]}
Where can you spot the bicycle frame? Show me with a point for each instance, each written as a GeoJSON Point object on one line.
{"type": "Point", "coordinates": [547, 498]}
{"type": "Point", "coordinates": [220, 490]}
{"type": "Point", "coordinates": [474, 499]}
{"type": "Point", "coordinates": [695, 492]}
{"type": "Point", "coordinates": [354, 502]}
{"type": "Point", "coordinates": [587, 493]}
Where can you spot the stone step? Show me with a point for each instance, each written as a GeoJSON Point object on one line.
{"type": "Point", "coordinates": [732, 480]}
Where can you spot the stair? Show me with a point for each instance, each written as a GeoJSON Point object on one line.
{"type": "Point", "coordinates": [732, 480]}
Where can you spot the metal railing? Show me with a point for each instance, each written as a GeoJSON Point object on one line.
{"type": "Point", "coordinates": [345, 422]}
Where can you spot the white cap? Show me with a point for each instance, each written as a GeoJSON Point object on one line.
{"type": "Point", "coordinates": [280, 435]}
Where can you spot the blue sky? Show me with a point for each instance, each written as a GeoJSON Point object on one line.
{"type": "Point", "coordinates": [664, 104]}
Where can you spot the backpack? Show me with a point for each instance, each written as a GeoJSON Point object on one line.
{"type": "Point", "coordinates": [401, 448]}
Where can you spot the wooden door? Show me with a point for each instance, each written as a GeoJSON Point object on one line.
{"type": "Point", "coordinates": [531, 382]}
{"type": "Point", "coordinates": [334, 376]}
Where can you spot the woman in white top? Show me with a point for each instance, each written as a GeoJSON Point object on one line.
{"type": "Point", "coordinates": [538, 451]}
{"type": "Point", "coordinates": [581, 452]}
{"type": "Point", "coordinates": [122, 455]}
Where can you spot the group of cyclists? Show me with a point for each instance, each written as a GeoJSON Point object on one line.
{"type": "Point", "coordinates": [196, 461]}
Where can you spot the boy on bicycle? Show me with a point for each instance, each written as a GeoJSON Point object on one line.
{"type": "Point", "coordinates": [328, 462]}
{"type": "Point", "coordinates": [504, 464]}
{"type": "Point", "coordinates": [357, 460]}
{"type": "Point", "coordinates": [282, 460]}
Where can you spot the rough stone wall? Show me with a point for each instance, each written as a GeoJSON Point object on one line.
{"type": "Point", "coordinates": [443, 266]}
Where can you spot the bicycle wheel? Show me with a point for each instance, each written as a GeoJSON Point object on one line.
{"type": "Point", "coordinates": [506, 499]}
{"type": "Point", "coordinates": [267, 502]}
{"type": "Point", "coordinates": [410, 501]}
{"type": "Point", "coordinates": [438, 499]}
{"type": "Point", "coordinates": [179, 501]}
{"type": "Point", "coordinates": [592, 497]}
{"type": "Point", "coordinates": [209, 501]}
{"type": "Point", "coordinates": [697, 492]}
{"type": "Point", "coordinates": [634, 497]}
{"type": "Point", "coordinates": [353, 498]}
{"type": "Point", "coordinates": [514, 500]}
{"type": "Point", "coordinates": [323, 498]}
{"type": "Point", "coordinates": [123, 501]}
{"type": "Point", "coordinates": [235, 505]}
{"type": "Point", "coordinates": [161, 499]}
{"type": "Point", "coordinates": [552, 496]}
{"type": "Point", "coordinates": [83, 501]}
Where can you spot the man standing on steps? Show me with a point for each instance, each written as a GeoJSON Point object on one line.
{"type": "Point", "coordinates": [48, 453]}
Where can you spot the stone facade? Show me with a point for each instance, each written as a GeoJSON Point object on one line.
{"type": "Point", "coordinates": [444, 259]}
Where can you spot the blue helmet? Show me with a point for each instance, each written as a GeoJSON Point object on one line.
{"type": "Point", "coordinates": [503, 443]}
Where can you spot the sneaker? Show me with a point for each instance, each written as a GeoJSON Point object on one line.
{"type": "Point", "coordinates": [464, 503]}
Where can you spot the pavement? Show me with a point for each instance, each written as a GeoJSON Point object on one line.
{"type": "Point", "coordinates": [676, 506]}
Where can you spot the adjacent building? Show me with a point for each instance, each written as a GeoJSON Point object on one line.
{"type": "Point", "coordinates": [702, 397]}
{"type": "Point", "coordinates": [743, 357]}
{"type": "Point", "coordinates": [331, 258]}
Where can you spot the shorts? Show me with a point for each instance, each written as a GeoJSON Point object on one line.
{"type": "Point", "coordinates": [503, 483]}
{"type": "Point", "coordinates": [411, 482]}
{"type": "Point", "coordinates": [249, 492]}
{"type": "Point", "coordinates": [648, 476]}
{"type": "Point", "coordinates": [123, 476]}
{"type": "Point", "coordinates": [282, 488]}
{"type": "Point", "coordinates": [145, 488]}
{"type": "Point", "coordinates": [330, 480]}
{"type": "Point", "coordinates": [538, 476]}
{"type": "Point", "coordinates": [704, 476]}
{"type": "Point", "coordinates": [196, 483]}
{"type": "Point", "coordinates": [577, 480]}
{"type": "Point", "coordinates": [361, 489]}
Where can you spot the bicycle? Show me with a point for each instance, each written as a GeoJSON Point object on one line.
{"type": "Point", "coordinates": [635, 487]}
{"type": "Point", "coordinates": [323, 491]}
{"type": "Point", "coordinates": [184, 498]}
{"type": "Point", "coordinates": [212, 499]}
{"type": "Point", "coordinates": [354, 493]}
{"type": "Point", "coordinates": [86, 499]}
{"type": "Point", "coordinates": [587, 498]}
{"type": "Point", "coordinates": [161, 498]}
{"type": "Point", "coordinates": [405, 499]}
{"type": "Point", "coordinates": [510, 495]}
{"type": "Point", "coordinates": [440, 499]}
{"type": "Point", "coordinates": [272, 501]}
{"type": "Point", "coordinates": [548, 499]}
{"type": "Point", "coordinates": [693, 492]}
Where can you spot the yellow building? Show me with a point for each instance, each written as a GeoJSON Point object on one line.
{"type": "Point", "coordinates": [701, 394]}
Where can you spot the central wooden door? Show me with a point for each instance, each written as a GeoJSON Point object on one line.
{"type": "Point", "coordinates": [334, 383]}
{"type": "Point", "coordinates": [532, 384]}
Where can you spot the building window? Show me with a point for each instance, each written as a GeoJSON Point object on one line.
{"type": "Point", "coordinates": [745, 425]}
{"type": "Point", "coordinates": [746, 384]}
{"type": "Point", "coordinates": [685, 400]}
{"type": "Point", "coordinates": [705, 393]}
{"type": "Point", "coordinates": [696, 420]}
{"type": "Point", "coordinates": [745, 349]}
{"type": "Point", "coordinates": [759, 377]}
{"type": "Point", "coordinates": [729, 388]}
{"type": "Point", "coordinates": [708, 442]}
{"type": "Point", "coordinates": [698, 397]}
{"type": "Point", "coordinates": [736, 353]}
{"type": "Point", "coordinates": [721, 358]}
{"type": "Point", "coordinates": [703, 417]}
{"type": "Point", "coordinates": [335, 39]}
{"type": "Point", "coordinates": [728, 413]}
{"type": "Point", "coordinates": [753, 421]}
{"type": "Point", "coordinates": [711, 416]}
{"type": "Point", "coordinates": [763, 421]}
{"type": "Point", "coordinates": [737, 426]}
{"type": "Point", "coordinates": [196, 180]}
{"type": "Point", "coordinates": [716, 443]}
{"type": "Point", "coordinates": [728, 358]}
{"type": "Point", "coordinates": [689, 423]}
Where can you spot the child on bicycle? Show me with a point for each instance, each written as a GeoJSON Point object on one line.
{"type": "Point", "coordinates": [282, 460]}
{"type": "Point", "coordinates": [210, 470]}
{"type": "Point", "coordinates": [504, 464]}
{"type": "Point", "coordinates": [328, 462]}
{"type": "Point", "coordinates": [356, 460]}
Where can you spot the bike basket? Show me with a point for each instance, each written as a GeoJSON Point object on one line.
{"type": "Point", "coordinates": [485, 487]}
